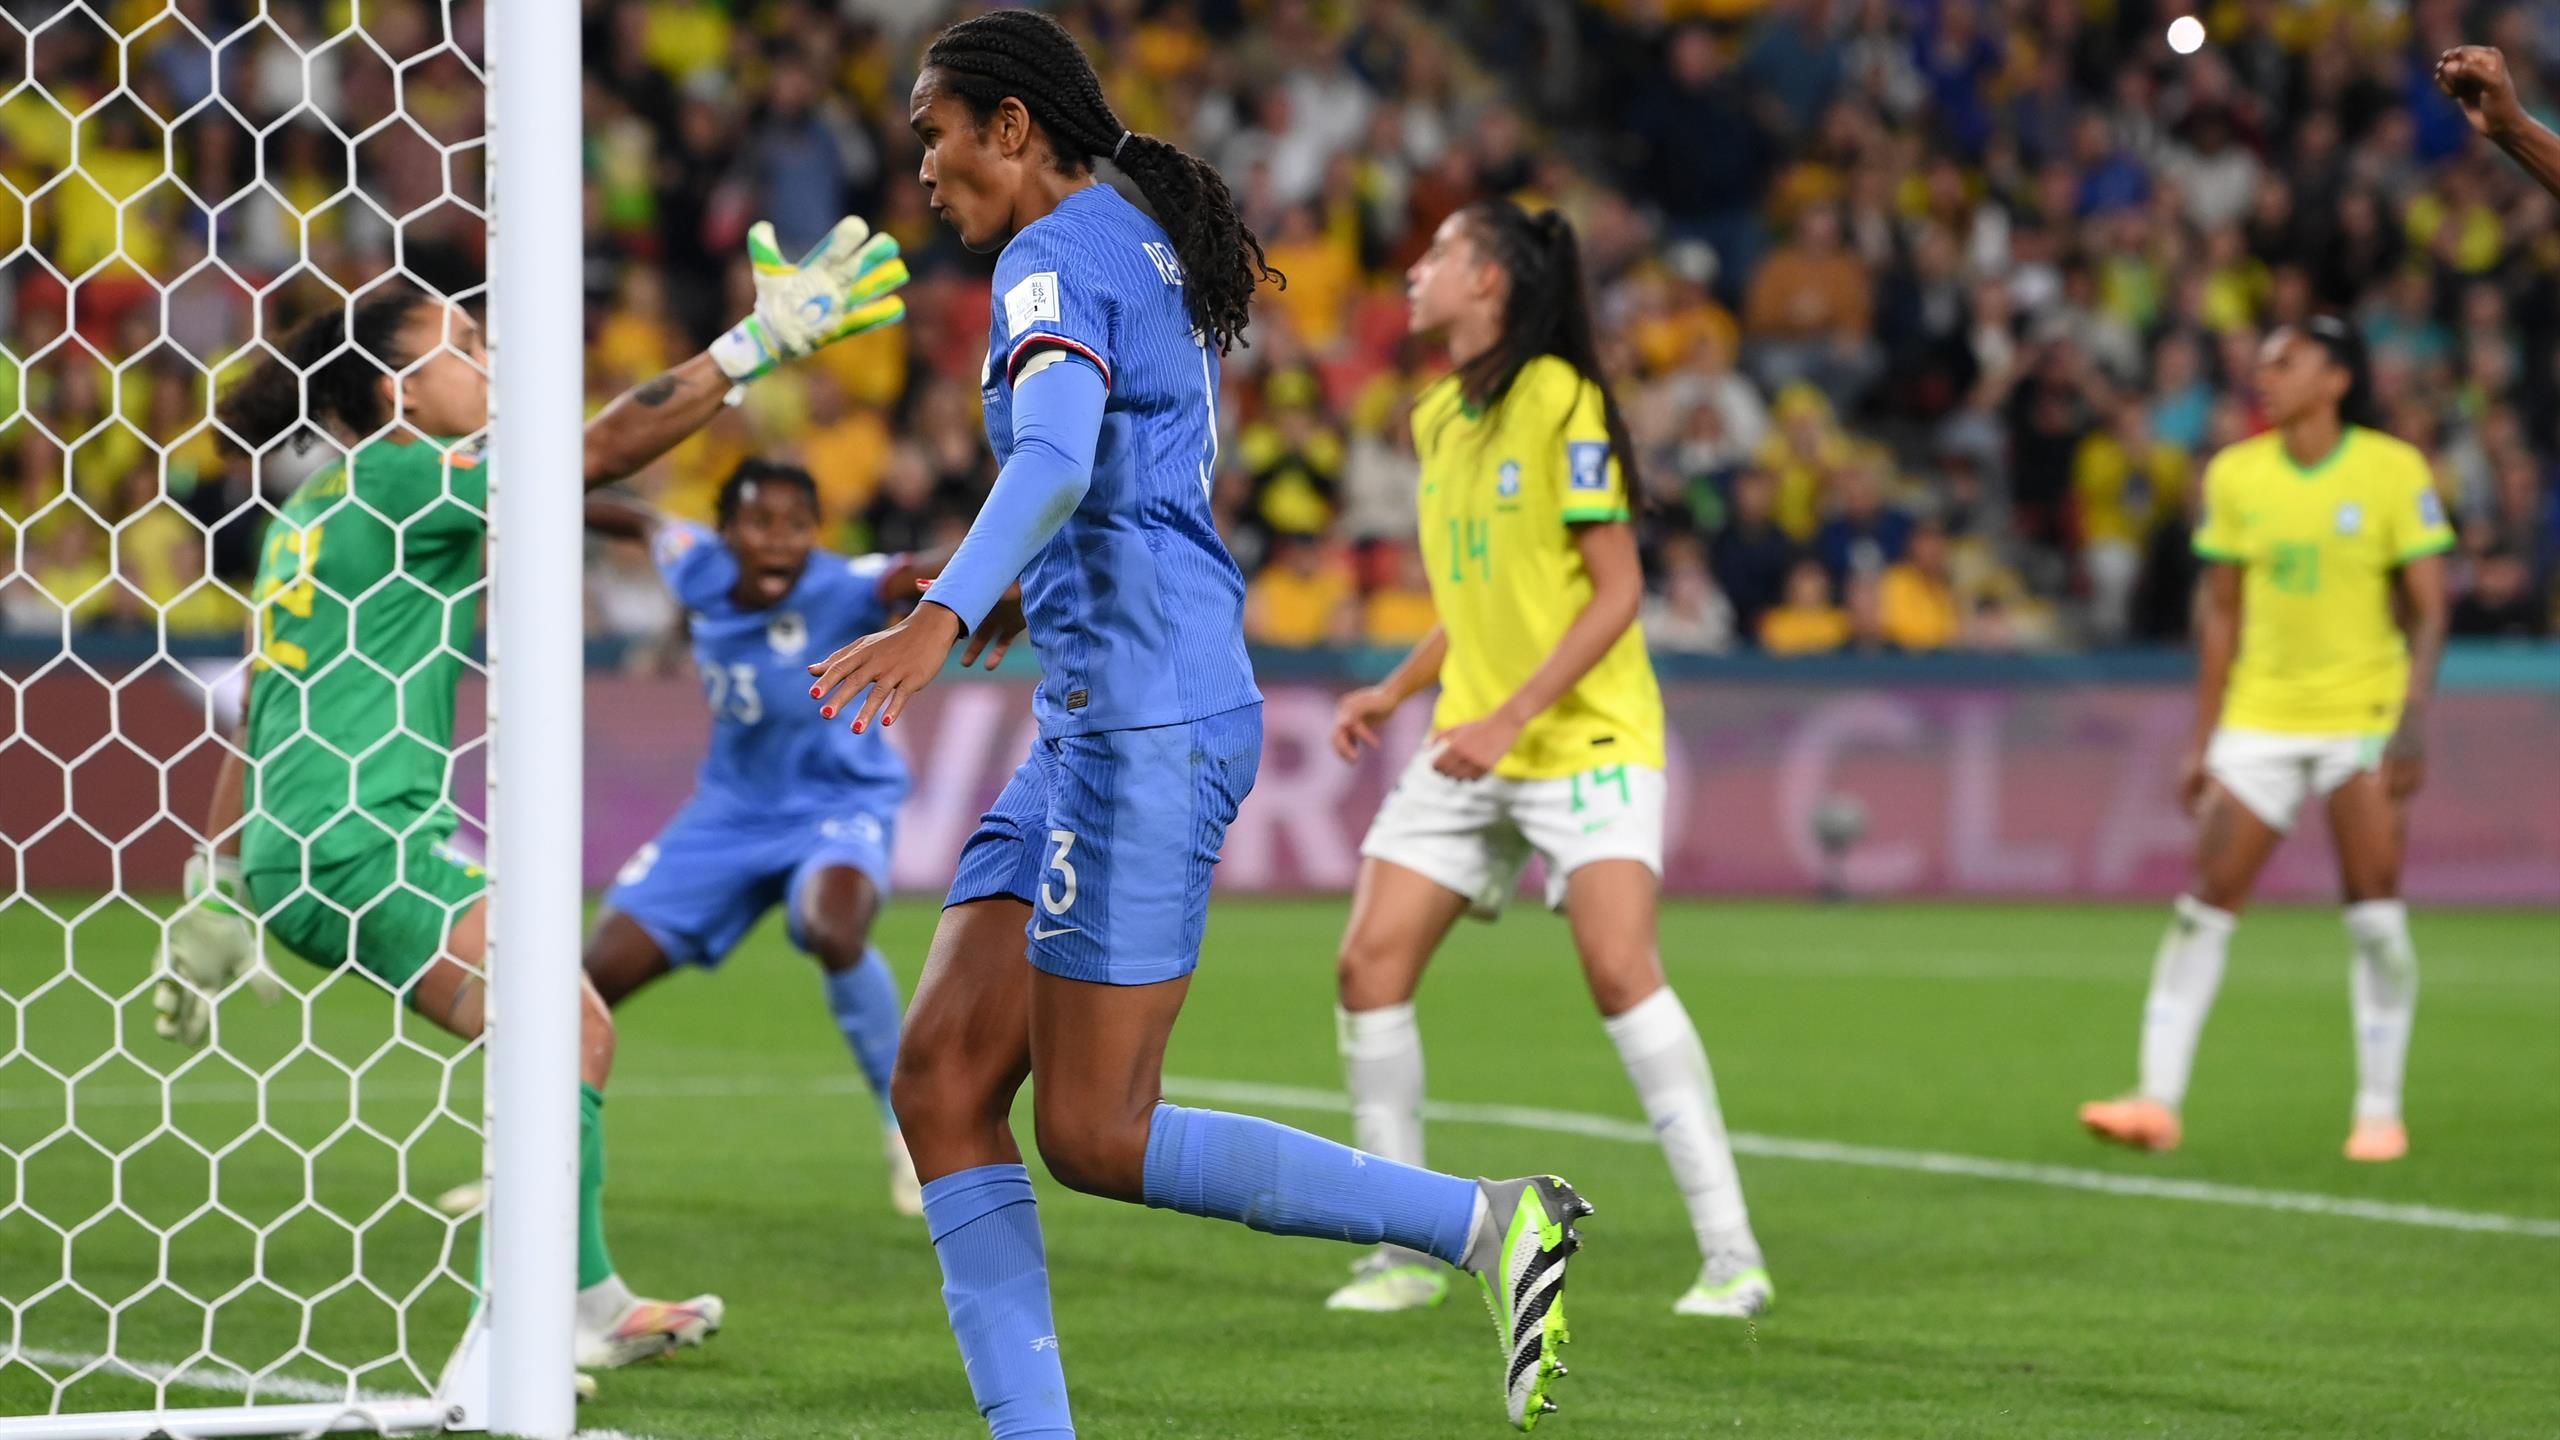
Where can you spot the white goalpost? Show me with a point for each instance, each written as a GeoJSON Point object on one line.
{"type": "Point", "coordinates": [242, 1239]}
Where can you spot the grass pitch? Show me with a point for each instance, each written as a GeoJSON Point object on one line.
{"type": "Point", "coordinates": [1918, 1296]}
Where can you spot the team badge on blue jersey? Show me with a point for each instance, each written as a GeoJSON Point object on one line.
{"type": "Point", "coordinates": [787, 632]}
{"type": "Point", "coordinates": [1589, 461]}
{"type": "Point", "coordinates": [2350, 517]}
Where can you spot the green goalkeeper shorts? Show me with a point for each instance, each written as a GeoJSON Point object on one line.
{"type": "Point", "coordinates": [388, 910]}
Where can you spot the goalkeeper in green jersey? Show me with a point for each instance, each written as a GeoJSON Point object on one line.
{"type": "Point", "coordinates": [333, 831]}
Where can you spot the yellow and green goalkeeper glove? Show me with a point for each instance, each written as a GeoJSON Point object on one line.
{"type": "Point", "coordinates": [210, 946]}
{"type": "Point", "coordinates": [844, 286]}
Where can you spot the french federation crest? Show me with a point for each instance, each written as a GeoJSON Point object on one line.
{"type": "Point", "coordinates": [1507, 484]}
{"type": "Point", "coordinates": [2350, 517]}
{"type": "Point", "coordinates": [787, 633]}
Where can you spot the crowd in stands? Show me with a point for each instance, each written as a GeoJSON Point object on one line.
{"type": "Point", "coordinates": [1925, 314]}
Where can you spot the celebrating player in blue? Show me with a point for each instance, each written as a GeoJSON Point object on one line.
{"type": "Point", "coordinates": [1101, 393]}
{"type": "Point", "coordinates": [789, 808]}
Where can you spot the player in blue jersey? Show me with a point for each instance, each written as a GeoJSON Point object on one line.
{"type": "Point", "coordinates": [789, 809]}
{"type": "Point", "coordinates": [1101, 393]}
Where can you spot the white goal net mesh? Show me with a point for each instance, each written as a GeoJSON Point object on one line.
{"type": "Point", "coordinates": [254, 1221]}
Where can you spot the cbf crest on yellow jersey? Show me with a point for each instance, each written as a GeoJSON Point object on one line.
{"type": "Point", "coordinates": [1501, 491]}
{"type": "Point", "coordinates": [2320, 651]}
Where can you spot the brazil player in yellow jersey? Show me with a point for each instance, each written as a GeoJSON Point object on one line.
{"type": "Point", "coordinates": [1548, 734]}
{"type": "Point", "coordinates": [2323, 618]}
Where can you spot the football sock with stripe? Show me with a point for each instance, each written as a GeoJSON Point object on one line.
{"type": "Point", "coordinates": [995, 1282]}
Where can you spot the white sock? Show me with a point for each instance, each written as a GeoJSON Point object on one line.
{"type": "Point", "coordinates": [2384, 982]}
{"type": "Point", "coordinates": [1669, 1067]}
{"type": "Point", "coordinates": [1382, 1068]}
{"type": "Point", "coordinates": [601, 1305]}
{"type": "Point", "coordinates": [2184, 977]}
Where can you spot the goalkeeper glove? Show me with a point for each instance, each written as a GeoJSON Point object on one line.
{"type": "Point", "coordinates": [843, 287]}
{"type": "Point", "coordinates": [209, 944]}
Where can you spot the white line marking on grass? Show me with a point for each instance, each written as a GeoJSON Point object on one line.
{"type": "Point", "coordinates": [221, 1380]}
{"type": "Point", "coordinates": [1553, 1122]}
{"type": "Point", "coordinates": [1827, 1152]}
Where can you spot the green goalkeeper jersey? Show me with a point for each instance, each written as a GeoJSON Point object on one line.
{"type": "Point", "coordinates": [367, 594]}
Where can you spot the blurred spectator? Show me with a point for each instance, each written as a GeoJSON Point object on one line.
{"type": "Point", "coordinates": [1867, 531]}
{"type": "Point", "coordinates": [1707, 191]}
{"type": "Point", "coordinates": [1809, 314]}
{"type": "Point", "coordinates": [1303, 598]}
{"type": "Point", "coordinates": [1294, 457]}
{"type": "Point", "coordinates": [1397, 611]}
{"type": "Point", "coordinates": [844, 447]}
{"type": "Point", "coordinates": [1752, 555]}
{"type": "Point", "coordinates": [2018, 237]}
{"type": "Point", "coordinates": [812, 160]}
{"type": "Point", "coordinates": [1807, 623]}
{"type": "Point", "coordinates": [2124, 481]}
{"type": "Point", "coordinates": [1915, 601]}
{"type": "Point", "coordinates": [1690, 615]}
{"type": "Point", "coordinates": [902, 517]}
{"type": "Point", "coordinates": [2501, 603]}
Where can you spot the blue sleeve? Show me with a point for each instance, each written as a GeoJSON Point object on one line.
{"type": "Point", "coordinates": [1057, 422]}
{"type": "Point", "coordinates": [698, 569]}
{"type": "Point", "coordinates": [855, 606]}
{"type": "Point", "coordinates": [1045, 298]}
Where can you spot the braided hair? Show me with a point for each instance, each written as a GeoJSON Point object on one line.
{"type": "Point", "coordinates": [1547, 312]}
{"type": "Point", "coordinates": [1032, 58]}
{"type": "Point", "coordinates": [754, 474]}
{"type": "Point", "coordinates": [327, 368]}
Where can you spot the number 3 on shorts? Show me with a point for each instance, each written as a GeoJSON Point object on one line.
{"type": "Point", "coordinates": [1059, 901]}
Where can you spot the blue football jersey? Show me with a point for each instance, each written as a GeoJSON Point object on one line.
{"type": "Point", "coordinates": [1135, 607]}
{"type": "Point", "coordinates": [770, 748]}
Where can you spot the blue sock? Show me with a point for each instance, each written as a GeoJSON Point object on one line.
{"type": "Point", "coordinates": [1288, 1182]}
{"type": "Point", "coordinates": [866, 1005]}
{"type": "Point", "coordinates": [995, 1282]}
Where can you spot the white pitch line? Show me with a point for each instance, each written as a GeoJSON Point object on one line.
{"type": "Point", "coordinates": [1553, 1122]}
{"type": "Point", "coordinates": [1828, 1152]}
{"type": "Point", "coordinates": [219, 1382]}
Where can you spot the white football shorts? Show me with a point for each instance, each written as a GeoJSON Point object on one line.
{"type": "Point", "coordinates": [1473, 836]}
{"type": "Point", "coordinates": [2273, 774]}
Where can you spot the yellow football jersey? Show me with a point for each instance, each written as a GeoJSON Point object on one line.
{"type": "Point", "coordinates": [1501, 491]}
{"type": "Point", "coordinates": [2320, 651]}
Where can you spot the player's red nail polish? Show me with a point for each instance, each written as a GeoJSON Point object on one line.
{"type": "Point", "coordinates": [817, 690]}
{"type": "Point", "coordinates": [857, 727]}
{"type": "Point", "coordinates": [827, 712]}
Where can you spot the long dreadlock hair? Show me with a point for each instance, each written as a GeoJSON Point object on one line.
{"type": "Point", "coordinates": [1032, 58]}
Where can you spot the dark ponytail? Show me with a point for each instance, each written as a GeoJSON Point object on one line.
{"type": "Point", "coordinates": [1032, 58]}
{"type": "Point", "coordinates": [328, 368]}
{"type": "Point", "coordinates": [1548, 312]}
{"type": "Point", "coordinates": [2345, 349]}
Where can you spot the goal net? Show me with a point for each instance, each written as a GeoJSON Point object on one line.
{"type": "Point", "coordinates": [241, 1236]}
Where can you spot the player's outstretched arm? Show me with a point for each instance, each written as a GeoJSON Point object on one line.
{"type": "Point", "coordinates": [846, 285]}
{"type": "Point", "coordinates": [1057, 424]}
{"type": "Point", "coordinates": [618, 518]}
{"type": "Point", "coordinates": [1470, 751]}
{"type": "Point", "coordinates": [2476, 78]}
